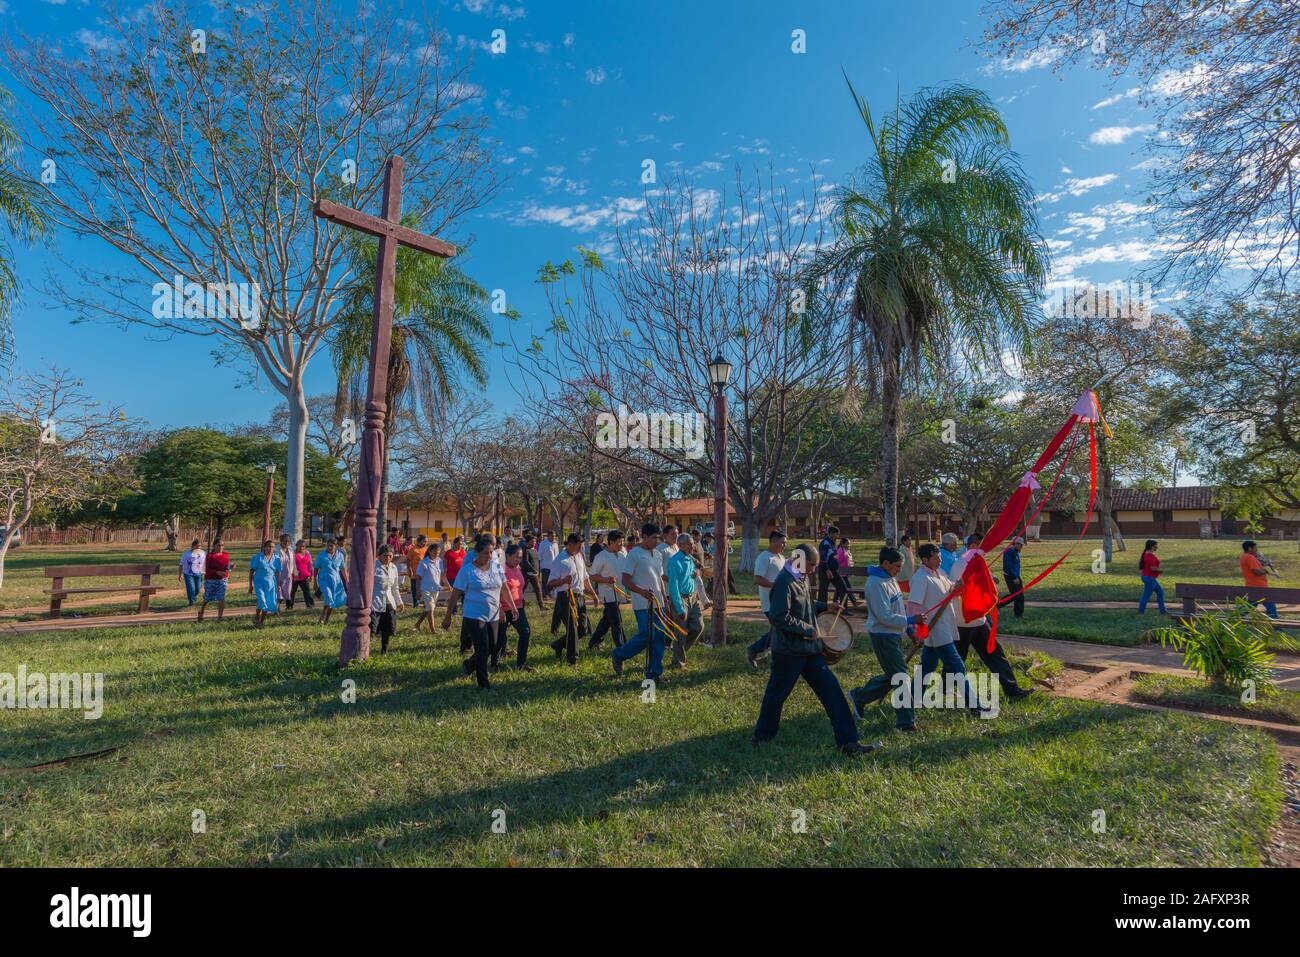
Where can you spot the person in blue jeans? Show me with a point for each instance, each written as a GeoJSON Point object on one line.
{"type": "Point", "coordinates": [1149, 570]}
{"type": "Point", "coordinates": [643, 577]}
{"type": "Point", "coordinates": [191, 571]}
{"type": "Point", "coordinates": [887, 623]}
{"type": "Point", "coordinates": [797, 653]}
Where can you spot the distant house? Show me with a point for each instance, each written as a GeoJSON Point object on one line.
{"type": "Point", "coordinates": [1186, 511]}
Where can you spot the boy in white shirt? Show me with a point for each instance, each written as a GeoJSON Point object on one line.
{"type": "Point", "coordinates": [766, 568]}
{"type": "Point", "coordinates": [929, 587]}
{"type": "Point", "coordinates": [643, 577]}
{"type": "Point", "coordinates": [606, 572]}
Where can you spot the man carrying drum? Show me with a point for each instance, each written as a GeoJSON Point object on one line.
{"type": "Point", "coordinates": [797, 653]}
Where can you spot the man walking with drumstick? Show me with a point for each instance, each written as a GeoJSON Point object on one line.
{"type": "Point", "coordinates": [797, 653]}
{"type": "Point", "coordinates": [887, 621]}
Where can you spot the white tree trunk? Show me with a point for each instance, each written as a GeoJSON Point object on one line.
{"type": "Point", "coordinates": [748, 544]}
{"type": "Point", "coordinates": [12, 530]}
{"type": "Point", "coordinates": [294, 475]}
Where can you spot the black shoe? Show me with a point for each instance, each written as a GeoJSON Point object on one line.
{"type": "Point", "coordinates": [523, 667]}
{"type": "Point", "coordinates": [1018, 693]}
{"type": "Point", "coordinates": [856, 748]}
{"type": "Point", "coordinates": [468, 666]}
{"type": "Point", "coordinates": [858, 707]}
{"type": "Point", "coordinates": [618, 666]}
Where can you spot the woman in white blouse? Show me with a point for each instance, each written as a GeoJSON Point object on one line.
{"type": "Point", "coordinates": [386, 599]}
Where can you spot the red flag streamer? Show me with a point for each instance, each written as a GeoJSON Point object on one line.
{"type": "Point", "coordinates": [980, 594]}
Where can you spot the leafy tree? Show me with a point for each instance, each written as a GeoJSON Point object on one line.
{"type": "Point", "coordinates": [1127, 361]}
{"type": "Point", "coordinates": [1223, 77]}
{"type": "Point", "coordinates": [1236, 385]}
{"type": "Point", "coordinates": [58, 449]}
{"type": "Point", "coordinates": [279, 105]}
{"type": "Point", "coordinates": [22, 219]}
{"type": "Point", "coordinates": [939, 243]}
{"type": "Point", "coordinates": [439, 326]}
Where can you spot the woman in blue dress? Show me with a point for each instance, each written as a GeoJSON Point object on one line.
{"type": "Point", "coordinates": [330, 579]}
{"type": "Point", "coordinates": [263, 576]}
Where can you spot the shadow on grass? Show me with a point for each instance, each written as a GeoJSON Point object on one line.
{"type": "Point", "coordinates": [664, 775]}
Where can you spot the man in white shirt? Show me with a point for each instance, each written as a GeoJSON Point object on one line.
{"type": "Point", "coordinates": [929, 587]}
{"type": "Point", "coordinates": [569, 582]}
{"type": "Point", "coordinates": [667, 546]}
{"type": "Point", "coordinates": [606, 572]}
{"type": "Point", "coordinates": [643, 577]}
{"type": "Point", "coordinates": [546, 552]}
{"type": "Point", "coordinates": [975, 634]}
{"type": "Point", "coordinates": [769, 565]}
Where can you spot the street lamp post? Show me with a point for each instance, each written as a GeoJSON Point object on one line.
{"type": "Point", "coordinates": [266, 506]}
{"type": "Point", "coordinates": [719, 374]}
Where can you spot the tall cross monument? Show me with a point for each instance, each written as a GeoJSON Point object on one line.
{"type": "Point", "coordinates": [355, 644]}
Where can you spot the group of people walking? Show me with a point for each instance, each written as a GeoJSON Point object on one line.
{"type": "Point", "coordinates": [895, 611]}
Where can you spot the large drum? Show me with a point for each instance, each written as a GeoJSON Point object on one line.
{"type": "Point", "coordinates": [836, 635]}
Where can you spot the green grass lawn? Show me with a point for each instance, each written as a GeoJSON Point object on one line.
{"type": "Point", "coordinates": [249, 727]}
{"type": "Point", "coordinates": [1191, 692]}
{"type": "Point", "coordinates": [1102, 626]}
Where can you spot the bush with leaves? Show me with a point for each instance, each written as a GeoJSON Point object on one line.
{"type": "Point", "coordinates": [1228, 644]}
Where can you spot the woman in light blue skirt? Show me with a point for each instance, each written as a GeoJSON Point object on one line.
{"type": "Point", "coordinates": [329, 577]}
{"type": "Point", "coordinates": [263, 576]}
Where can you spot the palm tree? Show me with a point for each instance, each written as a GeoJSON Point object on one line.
{"type": "Point", "coordinates": [22, 219]}
{"type": "Point", "coordinates": [439, 325]}
{"type": "Point", "coordinates": [939, 246]}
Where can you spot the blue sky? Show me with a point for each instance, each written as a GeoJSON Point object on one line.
{"type": "Point", "coordinates": [586, 91]}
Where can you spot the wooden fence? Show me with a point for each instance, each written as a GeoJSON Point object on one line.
{"type": "Point", "coordinates": [85, 535]}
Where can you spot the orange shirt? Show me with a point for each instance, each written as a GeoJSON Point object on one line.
{"type": "Point", "coordinates": [1252, 570]}
{"type": "Point", "coordinates": [414, 556]}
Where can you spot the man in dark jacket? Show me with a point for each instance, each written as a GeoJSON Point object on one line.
{"type": "Point", "coordinates": [797, 652]}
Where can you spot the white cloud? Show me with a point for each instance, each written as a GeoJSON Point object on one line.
{"type": "Point", "coordinates": [528, 151]}
{"type": "Point", "coordinates": [506, 109]}
{"type": "Point", "coordinates": [1032, 61]}
{"type": "Point", "coordinates": [1111, 135]}
{"type": "Point", "coordinates": [1076, 187]}
{"type": "Point", "coordinates": [1118, 97]}
{"type": "Point", "coordinates": [92, 40]}
{"type": "Point", "coordinates": [664, 117]}
{"type": "Point", "coordinates": [597, 76]}
{"type": "Point", "coordinates": [568, 39]}
{"type": "Point", "coordinates": [581, 216]}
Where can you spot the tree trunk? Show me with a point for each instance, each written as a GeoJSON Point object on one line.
{"type": "Point", "coordinates": [891, 426]}
{"type": "Point", "coordinates": [294, 469]}
{"type": "Point", "coordinates": [1110, 533]}
{"type": "Point", "coordinates": [171, 527]}
{"type": "Point", "coordinates": [221, 527]}
{"type": "Point", "coordinates": [4, 549]}
{"type": "Point", "coordinates": [591, 505]}
{"type": "Point", "coordinates": [383, 479]}
{"type": "Point", "coordinates": [748, 541]}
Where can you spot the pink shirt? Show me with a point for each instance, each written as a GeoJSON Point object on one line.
{"type": "Point", "coordinates": [303, 563]}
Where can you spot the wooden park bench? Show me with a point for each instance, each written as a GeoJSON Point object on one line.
{"type": "Point", "coordinates": [1192, 592]}
{"type": "Point", "coordinates": [58, 592]}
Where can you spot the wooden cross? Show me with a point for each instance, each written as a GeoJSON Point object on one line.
{"type": "Point", "coordinates": [355, 643]}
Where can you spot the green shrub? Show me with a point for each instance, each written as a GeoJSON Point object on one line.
{"type": "Point", "coordinates": [1228, 644]}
